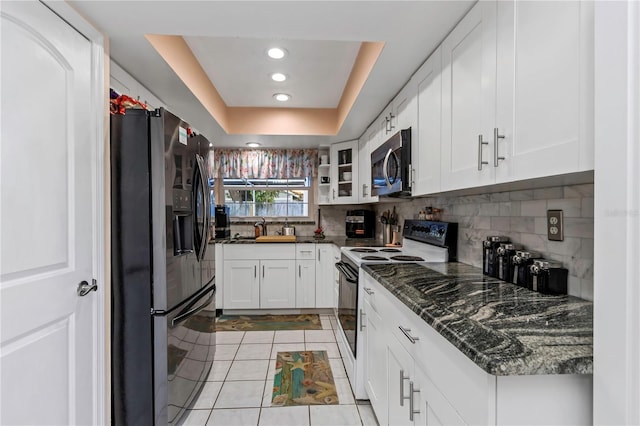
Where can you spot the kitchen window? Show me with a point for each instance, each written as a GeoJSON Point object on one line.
{"type": "Point", "coordinates": [271, 197]}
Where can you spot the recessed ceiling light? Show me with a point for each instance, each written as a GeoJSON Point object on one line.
{"type": "Point", "coordinates": [278, 76]}
{"type": "Point", "coordinates": [253, 144]}
{"type": "Point", "coordinates": [210, 144]}
{"type": "Point", "coordinates": [282, 97]}
{"type": "Point", "coordinates": [276, 53]}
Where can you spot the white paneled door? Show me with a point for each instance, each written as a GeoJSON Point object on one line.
{"type": "Point", "coordinates": [48, 332]}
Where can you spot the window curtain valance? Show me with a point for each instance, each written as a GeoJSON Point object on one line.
{"type": "Point", "coordinates": [264, 163]}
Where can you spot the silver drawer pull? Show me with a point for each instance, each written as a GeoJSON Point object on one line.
{"type": "Point", "coordinates": [368, 290]}
{"type": "Point", "coordinates": [362, 325]}
{"type": "Point", "coordinates": [402, 379]}
{"type": "Point", "coordinates": [406, 331]}
{"type": "Point", "coordinates": [480, 143]}
{"type": "Point", "coordinates": [412, 411]}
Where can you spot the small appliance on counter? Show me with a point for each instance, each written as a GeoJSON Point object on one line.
{"type": "Point", "coordinates": [505, 253]}
{"type": "Point", "coordinates": [223, 222]}
{"type": "Point", "coordinates": [360, 224]}
{"type": "Point", "coordinates": [489, 254]}
{"type": "Point", "coordinates": [548, 277]}
{"type": "Point", "coordinates": [521, 262]}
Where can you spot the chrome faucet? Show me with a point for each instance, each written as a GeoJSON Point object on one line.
{"type": "Point", "coordinates": [263, 226]}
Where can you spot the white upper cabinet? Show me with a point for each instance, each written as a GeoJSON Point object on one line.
{"type": "Point", "coordinates": [364, 166]}
{"type": "Point", "coordinates": [425, 148]}
{"type": "Point", "coordinates": [468, 99]}
{"type": "Point", "coordinates": [545, 89]}
{"type": "Point", "coordinates": [344, 173]}
{"type": "Point", "coordinates": [517, 93]}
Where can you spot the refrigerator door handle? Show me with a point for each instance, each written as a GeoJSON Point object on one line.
{"type": "Point", "coordinates": [196, 185]}
{"type": "Point", "coordinates": [206, 206]}
{"type": "Point", "coordinates": [190, 310]}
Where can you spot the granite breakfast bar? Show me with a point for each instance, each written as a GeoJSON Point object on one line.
{"type": "Point", "coordinates": [484, 351]}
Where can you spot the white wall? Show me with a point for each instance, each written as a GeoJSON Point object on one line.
{"type": "Point", "coordinates": [616, 377]}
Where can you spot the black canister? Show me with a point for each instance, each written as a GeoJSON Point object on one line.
{"type": "Point", "coordinates": [520, 265]}
{"type": "Point", "coordinates": [489, 258]}
{"type": "Point", "coordinates": [548, 277]}
{"type": "Point", "coordinates": [505, 253]}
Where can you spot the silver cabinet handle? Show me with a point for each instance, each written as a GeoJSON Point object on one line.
{"type": "Point", "coordinates": [262, 271]}
{"type": "Point", "coordinates": [402, 379]}
{"type": "Point", "coordinates": [406, 331]}
{"type": "Point", "coordinates": [412, 178]}
{"type": "Point", "coordinates": [318, 255]}
{"type": "Point", "coordinates": [334, 194]}
{"type": "Point", "coordinates": [85, 288]}
{"type": "Point", "coordinates": [411, 403]}
{"type": "Point", "coordinates": [306, 251]}
{"type": "Point", "coordinates": [364, 190]}
{"type": "Point", "coordinates": [362, 320]}
{"type": "Point", "coordinates": [300, 271]}
{"type": "Point", "coordinates": [391, 126]}
{"type": "Point", "coordinates": [480, 143]}
{"type": "Point", "coordinates": [496, 136]}
{"type": "Point", "coordinates": [368, 290]}
{"type": "Point", "coordinates": [255, 271]}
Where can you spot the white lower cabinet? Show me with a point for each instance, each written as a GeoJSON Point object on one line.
{"type": "Point", "coordinates": [259, 276]}
{"type": "Point", "coordinates": [242, 285]}
{"type": "Point", "coordinates": [324, 276]}
{"type": "Point", "coordinates": [305, 283]}
{"type": "Point", "coordinates": [414, 376]}
{"type": "Point", "coordinates": [375, 361]}
{"type": "Point", "coordinates": [278, 276]}
{"type": "Point", "coordinates": [277, 284]}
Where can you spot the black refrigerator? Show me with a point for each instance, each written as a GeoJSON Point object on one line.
{"type": "Point", "coordinates": [162, 268]}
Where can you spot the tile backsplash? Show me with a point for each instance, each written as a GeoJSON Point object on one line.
{"type": "Point", "coordinates": [521, 216]}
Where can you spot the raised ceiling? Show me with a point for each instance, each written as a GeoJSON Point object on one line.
{"type": "Point", "coordinates": [227, 39]}
{"type": "Point", "coordinates": [317, 70]}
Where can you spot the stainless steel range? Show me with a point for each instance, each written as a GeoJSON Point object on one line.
{"type": "Point", "coordinates": [423, 241]}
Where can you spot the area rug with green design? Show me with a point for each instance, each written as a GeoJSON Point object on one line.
{"type": "Point", "coordinates": [268, 322]}
{"type": "Point", "coordinates": [303, 378]}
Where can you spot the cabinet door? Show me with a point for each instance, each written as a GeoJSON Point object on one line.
{"type": "Point", "coordinates": [277, 284]}
{"type": "Point", "coordinates": [364, 166]}
{"type": "Point", "coordinates": [399, 375]}
{"type": "Point", "coordinates": [375, 359]}
{"type": "Point", "coordinates": [468, 99]}
{"type": "Point", "coordinates": [404, 108]}
{"type": "Point", "coordinates": [426, 153]}
{"type": "Point", "coordinates": [344, 172]}
{"type": "Point", "coordinates": [324, 276]}
{"type": "Point", "coordinates": [305, 284]}
{"type": "Point", "coordinates": [241, 284]}
{"type": "Point", "coordinates": [430, 405]}
{"type": "Point", "coordinates": [545, 89]}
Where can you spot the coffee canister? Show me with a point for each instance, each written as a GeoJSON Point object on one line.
{"type": "Point", "coordinates": [489, 264]}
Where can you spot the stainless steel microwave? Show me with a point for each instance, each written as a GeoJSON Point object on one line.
{"type": "Point", "coordinates": [391, 166]}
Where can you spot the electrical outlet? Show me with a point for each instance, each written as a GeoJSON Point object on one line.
{"type": "Point", "coordinates": [555, 227]}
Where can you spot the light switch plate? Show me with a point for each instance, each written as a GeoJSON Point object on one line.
{"type": "Point", "coordinates": [555, 225]}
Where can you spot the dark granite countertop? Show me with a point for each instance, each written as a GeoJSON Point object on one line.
{"type": "Point", "coordinates": [505, 329]}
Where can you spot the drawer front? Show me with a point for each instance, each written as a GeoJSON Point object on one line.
{"type": "Point", "coordinates": [305, 251]}
{"type": "Point", "coordinates": [260, 251]}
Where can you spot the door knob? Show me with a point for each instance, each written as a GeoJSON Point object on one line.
{"type": "Point", "coordinates": [85, 288]}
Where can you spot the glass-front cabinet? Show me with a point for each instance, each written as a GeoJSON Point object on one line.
{"type": "Point", "coordinates": [344, 173]}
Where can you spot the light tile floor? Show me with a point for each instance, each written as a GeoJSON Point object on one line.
{"type": "Point", "coordinates": [238, 390]}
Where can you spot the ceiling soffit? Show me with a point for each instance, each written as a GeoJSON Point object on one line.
{"type": "Point", "coordinates": [265, 120]}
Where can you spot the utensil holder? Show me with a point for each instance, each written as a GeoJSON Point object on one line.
{"type": "Point", "coordinates": [387, 234]}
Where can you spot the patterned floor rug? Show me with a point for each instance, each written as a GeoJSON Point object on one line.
{"type": "Point", "coordinates": [303, 378]}
{"type": "Point", "coordinates": [268, 322]}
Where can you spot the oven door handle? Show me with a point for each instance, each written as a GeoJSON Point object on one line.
{"type": "Point", "coordinates": [340, 266]}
